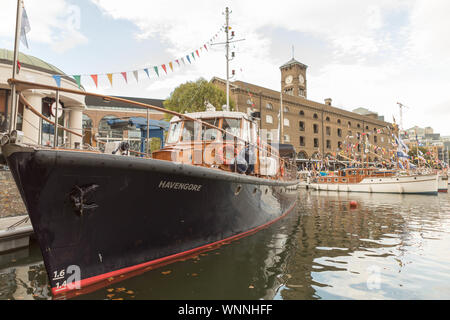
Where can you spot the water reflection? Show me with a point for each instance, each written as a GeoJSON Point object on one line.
{"type": "Point", "coordinates": [388, 247]}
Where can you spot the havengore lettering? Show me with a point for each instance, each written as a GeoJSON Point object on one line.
{"type": "Point", "coordinates": [179, 186]}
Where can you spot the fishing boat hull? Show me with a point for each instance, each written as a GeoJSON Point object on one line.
{"type": "Point", "coordinates": [107, 215]}
{"type": "Point", "coordinates": [443, 183]}
{"type": "Point", "coordinates": [417, 184]}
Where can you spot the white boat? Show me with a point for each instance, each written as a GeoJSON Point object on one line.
{"type": "Point", "coordinates": [374, 180]}
{"type": "Point", "coordinates": [443, 183]}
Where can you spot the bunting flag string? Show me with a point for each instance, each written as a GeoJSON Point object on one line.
{"type": "Point", "coordinates": [180, 62]}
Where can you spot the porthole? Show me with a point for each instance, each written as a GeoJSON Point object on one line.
{"type": "Point", "coordinates": [238, 190]}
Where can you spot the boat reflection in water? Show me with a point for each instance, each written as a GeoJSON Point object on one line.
{"type": "Point", "coordinates": [388, 247]}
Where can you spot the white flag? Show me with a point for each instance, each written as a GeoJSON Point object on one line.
{"type": "Point", "coordinates": [25, 28]}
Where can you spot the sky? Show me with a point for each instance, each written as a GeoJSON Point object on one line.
{"type": "Point", "coordinates": [369, 54]}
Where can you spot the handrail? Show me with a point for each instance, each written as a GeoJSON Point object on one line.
{"type": "Point", "coordinates": [24, 85]}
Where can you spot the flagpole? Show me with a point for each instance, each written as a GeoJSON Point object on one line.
{"type": "Point", "coordinates": [14, 107]}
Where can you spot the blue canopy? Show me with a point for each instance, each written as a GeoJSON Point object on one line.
{"type": "Point", "coordinates": [156, 128]}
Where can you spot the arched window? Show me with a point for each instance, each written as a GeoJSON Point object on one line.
{"type": "Point", "coordinates": [349, 124]}
{"type": "Point", "coordinates": [286, 109]}
{"type": "Point", "coordinates": [301, 113]}
{"type": "Point", "coordinates": [87, 122]}
{"type": "Point", "coordinates": [302, 155]}
{"type": "Point", "coordinates": [327, 119]}
{"type": "Point", "coordinates": [339, 121]}
{"type": "Point", "coordinates": [358, 125]}
{"type": "Point", "coordinates": [315, 116]}
{"type": "Point", "coordinates": [269, 106]}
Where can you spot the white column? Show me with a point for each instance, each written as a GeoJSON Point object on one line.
{"type": "Point", "coordinates": [31, 122]}
{"type": "Point", "coordinates": [75, 124]}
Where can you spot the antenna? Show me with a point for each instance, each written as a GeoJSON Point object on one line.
{"type": "Point", "coordinates": [401, 114]}
{"type": "Point", "coordinates": [227, 50]}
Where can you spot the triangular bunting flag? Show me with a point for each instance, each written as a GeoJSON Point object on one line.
{"type": "Point", "coordinates": [193, 55]}
{"type": "Point", "coordinates": [177, 61]}
{"type": "Point", "coordinates": [196, 51]}
{"type": "Point", "coordinates": [110, 77]}
{"type": "Point", "coordinates": [95, 78]}
{"type": "Point", "coordinates": [182, 60]}
{"type": "Point", "coordinates": [124, 74]}
{"type": "Point", "coordinates": [57, 80]}
{"type": "Point", "coordinates": [187, 57]}
{"type": "Point", "coordinates": [146, 71]}
{"type": "Point", "coordinates": [18, 66]}
{"type": "Point", "coordinates": [136, 75]}
{"type": "Point", "coordinates": [164, 67]}
{"type": "Point", "coordinates": [78, 80]}
{"type": "Point", "coordinates": [156, 70]}
{"type": "Point", "coordinates": [171, 66]}
{"type": "Point", "coordinates": [205, 47]}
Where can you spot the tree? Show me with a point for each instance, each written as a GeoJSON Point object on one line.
{"type": "Point", "coordinates": [191, 97]}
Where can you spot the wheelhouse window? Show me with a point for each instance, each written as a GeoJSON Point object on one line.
{"type": "Point", "coordinates": [233, 126]}
{"type": "Point", "coordinates": [188, 131]}
{"type": "Point", "coordinates": [174, 132]}
{"type": "Point", "coordinates": [208, 133]}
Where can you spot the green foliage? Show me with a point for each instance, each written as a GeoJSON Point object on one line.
{"type": "Point", "coordinates": [191, 97]}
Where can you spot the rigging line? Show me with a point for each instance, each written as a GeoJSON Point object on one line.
{"type": "Point", "coordinates": [140, 68]}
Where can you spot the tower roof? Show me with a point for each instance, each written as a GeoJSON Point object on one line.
{"type": "Point", "coordinates": [293, 62]}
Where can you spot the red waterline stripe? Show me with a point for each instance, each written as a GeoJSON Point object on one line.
{"type": "Point", "coordinates": [90, 281]}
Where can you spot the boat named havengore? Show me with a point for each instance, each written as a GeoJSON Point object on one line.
{"type": "Point", "coordinates": [105, 215]}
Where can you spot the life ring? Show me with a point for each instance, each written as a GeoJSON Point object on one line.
{"type": "Point", "coordinates": [225, 154]}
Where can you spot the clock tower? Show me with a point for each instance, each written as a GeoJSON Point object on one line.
{"type": "Point", "coordinates": [293, 78]}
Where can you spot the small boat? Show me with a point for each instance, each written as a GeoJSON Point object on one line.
{"type": "Point", "coordinates": [443, 182]}
{"type": "Point", "coordinates": [374, 180]}
{"type": "Point", "coordinates": [107, 215]}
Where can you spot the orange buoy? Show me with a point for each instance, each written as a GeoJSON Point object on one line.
{"type": "Point", "coordinates": [353, 204]}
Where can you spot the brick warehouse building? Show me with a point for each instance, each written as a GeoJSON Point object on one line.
{"type": "Point", "coordinates": [312, 128]}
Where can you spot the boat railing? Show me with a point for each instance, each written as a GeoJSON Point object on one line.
{"type": "Point", "coordinates": [265, 149]}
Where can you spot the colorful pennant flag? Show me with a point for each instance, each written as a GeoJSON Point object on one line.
{"type": "Point", "coordinates": [57, 80]}
{"type": "Point", "coordinates": [78, 80]}
{"type": "Point", "coordinates": [95, 78]}
{"type": "Point", "coordinates": [146, 71]}
{"type": "Point", "coordinates": [156, 70]}
{"type": "Point", "coordinates": [136, 75]}
{"type": "Point", "coordinates": [171, 66]}
{"type": "Point", "coordinates": [164, 67]}
{"type": "Point", "coordinates": [110, 78]}
{"type": "Point", "coordinates": [124, 74]}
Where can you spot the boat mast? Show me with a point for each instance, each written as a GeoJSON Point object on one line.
{"type": "Point", "coordinates": [227, 54]}
{"type": "Point", "coordinates": [14, 100]}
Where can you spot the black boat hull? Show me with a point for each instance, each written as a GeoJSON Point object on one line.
{"type": "Point", "coordinates": [108, 215]}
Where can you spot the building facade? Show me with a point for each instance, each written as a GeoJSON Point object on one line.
{"type": "Point", "coordinates": [314, 129]}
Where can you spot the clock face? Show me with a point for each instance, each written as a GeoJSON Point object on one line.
{"type": "Point", "coordinates": [301, 79]}
{"type": "Point", "coordinates": [288, 79]}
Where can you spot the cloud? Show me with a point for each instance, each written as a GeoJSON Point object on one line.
{"type": "Point", "coordinates": [53, 22]}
